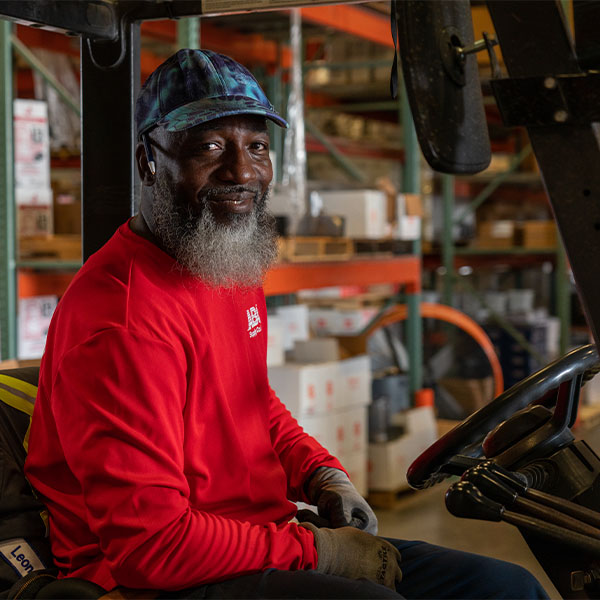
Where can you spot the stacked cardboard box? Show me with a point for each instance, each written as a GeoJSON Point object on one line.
{"type": "Point", "coordinates": [329, 400]}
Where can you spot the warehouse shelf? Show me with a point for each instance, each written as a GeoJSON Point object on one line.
{"type": "Point", "coordinates": [49, 265]}
{"type": "Point", "coordinates": [518, 250]}
{"type": "Point", "coordinates": [287, 278]}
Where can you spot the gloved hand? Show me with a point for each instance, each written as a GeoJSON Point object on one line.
{"type": "Point", "coordinates": [348, 552]}
{"type": "Point", "coordinates": [339, 502]}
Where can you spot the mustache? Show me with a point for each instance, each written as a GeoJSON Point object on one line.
{"type": "Point", "coordinates": [230, 189]}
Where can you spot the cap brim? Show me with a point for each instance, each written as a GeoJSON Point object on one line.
{"type": "Point", "coordinates": [209, 109]}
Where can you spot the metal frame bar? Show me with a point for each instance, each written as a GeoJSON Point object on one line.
{"type": "Point", "coordinates": [8, 284]}
{"type": "Point", "coordinates": [412, 185]}
{"type": "Point", "coordinates": [567, 155]}
{"type": "Point", "coordinates": [108, 137]}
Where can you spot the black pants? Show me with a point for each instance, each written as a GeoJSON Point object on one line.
{"type": "Point", "coordinates": [428, 572]}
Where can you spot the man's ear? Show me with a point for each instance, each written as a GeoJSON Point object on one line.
{"type": "Point", "coordinates": [143, 167]}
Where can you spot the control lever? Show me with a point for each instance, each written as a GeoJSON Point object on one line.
{"type": "Point", "coordinates": [519, 483]}
{"type": "Point", "coordinates": [496, 489]}
{"type": "Point", "coordinates": [463, 499]}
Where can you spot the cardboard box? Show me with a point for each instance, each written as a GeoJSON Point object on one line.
{"type": "Point", "coordinates": [364, 211]}
{"type": "Point", "coordinates": [322, 321]}
{"type": "Point", "coordinates": [275, 351]}
{"type": "Point", "coordinates": [409, 205]}
{"type": "Point", "coordinates": [31, 144]}
{"type": "Point", "coordinates": [34, 319]}
{"type": "Point", "coordinates": [306, 389]}
{"type": "Point", "coordinates": [408, 228]}
{"type": "Point", "coordinates": [354, 385]}
{"type": "Point", "coordinates": [496, 234]}
{"type": "Point", "coordinates": [321, 428]}
{"type": "Point", "coordinates": [389, 461]}
{"type": "Point", "coordinates": [295, 323]}
{"type": "Point", "coordinates": [34, 221]}
{"type": "Point", "coordinates": [539, 234]}
{"type": "Point", "coordinates": [356, 464]}
{"type": "Point", "coordinates": [471, 394]}
{"type": "Point", "coordinates": [67, 217]}
{"type": "Point", "coordinates": [316, 350]}
{"type": "Point", "coordinates": [351, 430]}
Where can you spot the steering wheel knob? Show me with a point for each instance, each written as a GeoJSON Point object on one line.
{"type": "Point", "coordinates": [513, 430]}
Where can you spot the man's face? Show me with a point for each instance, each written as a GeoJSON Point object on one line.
{"type": "Point", "coordinates": [209, 199]}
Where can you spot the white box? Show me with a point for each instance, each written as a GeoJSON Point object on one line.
{"type": "Point", "coordinates": [351, 431]}
{"type": "Point", "coordinates": [275, 351]}
{"type": "Point", "coordinates": [356, 465]}
{"type": "Point", "coordinates": [323, 321]}
{"type": "Point", "coordinates": [408, 228]}
{"type": "Point", "coordinates": [33, 196]}
{"type": "Point", "coordinates": [316, 350]}
{"type": "Point", "coordinates": [332, 321]}
{"type": "Point", "coordinates": [295, 323]}
{"type": "Point", "coordinates": [306, 389]}
{"type": "Point", "coordinates": [350, 322]}
{"type": "Point", "coordinates": [364, 211]}
{"type": "Point", "coordinates": [355, 382]}
{"type": "Point", "coordinates": [31, 143]}
{"type": "Point", "coordinates": [319, 427]}
{"type": "Point", "coordinates": [34, 319]}
{"type": "Point", "coordinates": [389, 461]}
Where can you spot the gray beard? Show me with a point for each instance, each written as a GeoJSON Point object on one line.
{"type": "Point", "coordinates": [226, 255]}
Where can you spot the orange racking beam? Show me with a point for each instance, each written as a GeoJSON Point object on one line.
{"type": "Point", "coordinates": [249, 48]}
{"type": "Point", "coordinates": [353, 20]}
{"type": "Point", "coordinates": [287, 278]}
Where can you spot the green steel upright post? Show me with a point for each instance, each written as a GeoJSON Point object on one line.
{"type": "Point", "coordinates": [8, 284]}
{"type": "Point", "coordinates": [447, 238]}
{"type": "Point", "coordinates": [412, 185]}
{"type": "Point", "coordinates": [188, 32]}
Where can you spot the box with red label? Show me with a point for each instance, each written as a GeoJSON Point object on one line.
{"type": "Point", "coordinates": [364, 211]}
{"type": "Point", "coordinates": [356, 465]}
{"type": "Point", "coordinates": [355, 381]}
{"type": "Point", "coordinates": [306, 389]}
{"type": "Point", "coordinates": [320, 427]}
{"type": "Point", "coordinates": [275, 351]}
{"type": "Point", "coordinates": [295, 323]}
{"type": "Point", "coordinates": [351, 433]}
{"type": "Point", "coordinates": [333, 321]}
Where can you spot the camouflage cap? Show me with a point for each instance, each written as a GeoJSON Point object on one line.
{"type": "Point", "coordinates": [195, 86]}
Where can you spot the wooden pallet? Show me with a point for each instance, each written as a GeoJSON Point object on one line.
{"type": "Point", "coordinates": [385, 247]}
{"type": "Point", "coordinates": [388, 500]}
{"type": "Point", "coordinates": [310, 249]}
{"type": "Point", "coordinates": [53, 247]}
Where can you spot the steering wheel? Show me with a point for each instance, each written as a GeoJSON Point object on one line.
{"type": "Point", "coordinates": [537, 389]}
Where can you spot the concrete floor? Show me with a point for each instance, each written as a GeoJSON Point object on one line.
{"type": "Point", "coordinates": [423, 516]}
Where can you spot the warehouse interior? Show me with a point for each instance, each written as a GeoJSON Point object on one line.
{"type": "Point", "coordinates": [409, 292]}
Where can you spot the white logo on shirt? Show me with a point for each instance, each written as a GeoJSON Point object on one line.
{"type": "Point", "coordinates": [254, 326]}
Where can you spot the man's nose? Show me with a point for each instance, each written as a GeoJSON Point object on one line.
{"type": "Point", "coordinates": [237, 167]}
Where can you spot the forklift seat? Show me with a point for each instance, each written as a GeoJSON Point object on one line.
{"type": "Point", "coordinates": [27, 569]}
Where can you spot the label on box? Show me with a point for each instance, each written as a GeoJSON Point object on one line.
{"type": "Point", "coordinates": [34, 319]}
{"type": "Point", "coordinates": [31, 143]}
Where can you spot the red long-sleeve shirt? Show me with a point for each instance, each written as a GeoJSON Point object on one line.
{"type": "Point", "coordinates": [164, 457]}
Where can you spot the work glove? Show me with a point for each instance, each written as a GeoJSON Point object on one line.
{"type": "Point", "coordinates": [338, 502]}
{"type": "Point", "coordinates": [348, 552]}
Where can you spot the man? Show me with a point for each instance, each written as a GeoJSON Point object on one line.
{"type": "Point", "coordinates": [162, 454]}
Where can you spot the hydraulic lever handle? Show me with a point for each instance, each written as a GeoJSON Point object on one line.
{"type": "Point", "coordinates": [517, 481]}
{"type": "Point", "coordinates": [494, 488]}
{"type": "Point", "coordinates": [463, 499]}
